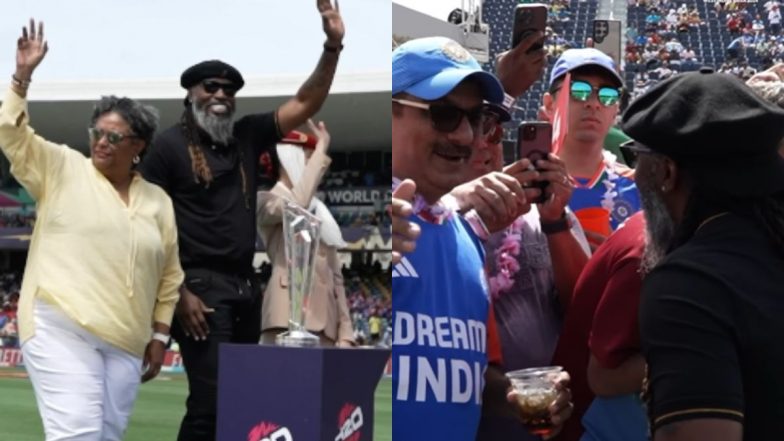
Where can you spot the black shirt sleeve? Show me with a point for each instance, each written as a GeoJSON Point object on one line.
{"type": "Point", "coordinates": [689, 343]}
{"type": "Point", "coordinates": [155, 165]}
{"type": "Point", "coordinates": [262, 130]}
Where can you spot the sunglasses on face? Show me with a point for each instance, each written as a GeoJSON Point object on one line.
{"type": "Point", "coordinates": [446, 118]}
{"type": "Point", "coordinates": [212, 86]}
{"type": "Point", "coordinates": [582, 91]}
{"type": "Point", "coordinates": [631, 151]}
{"type": "Point", "coordinates": [114, 138]}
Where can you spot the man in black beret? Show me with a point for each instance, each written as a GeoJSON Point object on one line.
{"type": "Point", "coordinates": [712, 188]}
{"type": "Point", "coordinates": [208, 164]}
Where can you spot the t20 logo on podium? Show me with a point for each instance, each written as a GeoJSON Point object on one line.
{"type": "Point", "coordinates": [266, 431]}
{"type": "Point", "coordinates": [349, 423]}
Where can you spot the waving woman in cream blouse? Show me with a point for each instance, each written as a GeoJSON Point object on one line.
{"type": "Point", "coordinates": [103, 272]}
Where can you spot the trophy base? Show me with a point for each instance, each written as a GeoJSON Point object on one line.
{"type": "Point", "coordinates": [297, 338]}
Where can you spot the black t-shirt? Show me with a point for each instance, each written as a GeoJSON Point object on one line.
{"type": "Point", "coordinates": [216, 225]}
{"type": "Point", "coordinates": [712, 328]}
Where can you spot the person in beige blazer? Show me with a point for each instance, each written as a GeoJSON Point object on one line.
{"type": "Point", "coordinates": [300, 174]}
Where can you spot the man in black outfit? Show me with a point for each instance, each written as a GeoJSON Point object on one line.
{"type": "Point", "coordinates": [712, 311]}
{"type": "Point", "coordinates": [208, 165]}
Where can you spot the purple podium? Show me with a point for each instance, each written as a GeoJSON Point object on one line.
{"type": "Point", "coordinates": [275, 393]}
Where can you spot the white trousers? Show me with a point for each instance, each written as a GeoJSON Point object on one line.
{"type": "Point", "coordinates": [85, 387]}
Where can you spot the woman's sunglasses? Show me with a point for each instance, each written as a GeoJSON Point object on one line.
{"type": "Point", "coordinates": [446, 117]}
{"type": "Point", "coordinates": [114, 138]}
{"type": "Point", "coordinates": [212, 86]}
{"type": "Point", "coordinates": [582, 91]}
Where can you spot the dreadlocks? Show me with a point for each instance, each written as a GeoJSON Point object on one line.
{"type": "Point", "coordinates": [199, 165]}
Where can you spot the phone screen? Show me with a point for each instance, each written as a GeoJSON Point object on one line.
{"type": "Point", "coordinates": [534, 142]}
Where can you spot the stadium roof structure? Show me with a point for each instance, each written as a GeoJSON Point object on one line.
{"type": "Point", "coordinates": [357, 112]}
{"type": "Point", "coordinates": [408, 24]}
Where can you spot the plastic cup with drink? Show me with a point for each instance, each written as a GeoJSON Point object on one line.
{"type": "Point", "coordinates": [536, 391]}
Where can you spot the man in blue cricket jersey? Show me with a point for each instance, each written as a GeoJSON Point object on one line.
{"type": "Point", "coordinates": [445, 347]}
{"type": "Point", "coordinates": [605, 194]}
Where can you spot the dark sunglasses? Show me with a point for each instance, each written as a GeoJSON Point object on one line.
{"type": "Point", "coordinates": [631, 151]}
{"type": "Point", "coordinates": [211, 86]}
{"type": "Point", "coordinates": [582, 91]}
{"type": "Point", "coordinates": [114, 138]}
{"type": "Point", "coordinates": [446, 117]}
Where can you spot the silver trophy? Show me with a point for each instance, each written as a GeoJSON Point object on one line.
{"type": "Point", "coordinates": [301, 235]}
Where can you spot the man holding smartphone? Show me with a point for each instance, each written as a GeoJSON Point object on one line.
{"type": "Point", "coordinates": [440, 118]}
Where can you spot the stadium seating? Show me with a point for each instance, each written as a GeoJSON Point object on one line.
{"type": "Point", "coordinates": [573, 27]}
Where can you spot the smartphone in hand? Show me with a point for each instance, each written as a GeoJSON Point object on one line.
{"type": "Point", "coordinates": [529, 18]}
{"type": "Point", "coordinates": [534, 142]}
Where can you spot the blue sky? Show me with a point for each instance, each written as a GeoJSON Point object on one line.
{"type": "Point", "coordinates": [122, 39]}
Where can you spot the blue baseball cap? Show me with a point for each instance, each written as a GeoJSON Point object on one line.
{"type": "Point", "coordinates": [572, 59]}
{"type": "Point", "coordinates": [430, 68]}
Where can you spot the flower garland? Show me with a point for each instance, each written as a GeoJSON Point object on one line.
{"type": "Point", "coordinates": [608, 200]}
{"type": "Point", "coordinates": [506, 262]}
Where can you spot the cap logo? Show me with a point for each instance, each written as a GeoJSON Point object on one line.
{"type": "Point", "coordinates": [455, 52]}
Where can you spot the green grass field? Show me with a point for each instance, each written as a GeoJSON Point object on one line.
{"type": "Point", "coordinates": [156, 415]}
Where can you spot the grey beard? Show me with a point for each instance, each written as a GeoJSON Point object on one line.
{"type": "Point", "coordinates": [220, 128]}
{"type": "Point", "coordinates": [659, 230]}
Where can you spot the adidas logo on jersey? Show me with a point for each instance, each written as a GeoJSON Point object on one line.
{"type": "Point", "coordinates": [404, 269]}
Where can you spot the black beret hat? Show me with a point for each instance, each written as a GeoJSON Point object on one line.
{"type": "Point", "coordinates": [714, 126]}
{"type": "Point", "coordinates": [210, 69]}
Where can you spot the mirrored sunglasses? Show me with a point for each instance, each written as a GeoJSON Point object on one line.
{"type": "Point", "coordinates": [582, 90]}
{"type": "Point", "coordinates": [114, 138]}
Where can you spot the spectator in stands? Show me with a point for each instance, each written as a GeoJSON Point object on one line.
{"type": "Point", "coordinates": [713, 299]}
{"type": "Point", "coordinates": [664, 71]}
{"type": "Point", "coordinates": [671, 19]}
{"type": "Point", "coordinates": [774, 20]}
{"type": "Point", "coordinates": [683, 9]}
{"type": "Point", "coordinates": [694, 18]}
{"type": "Point", "coordinates": [734, 24]}
{"type": "Point", "coordinates": [430, 150]}
{"type": "Point", "coordinates": [758, 26]}
{"type": "Point", "coordinates": [9, 334]}
{"type": "Point", "coordinates": [374, 322]}
{"type": "Point", "coordinates": [605, 193]}
{"type": "Point", "coordinates": [327, 314]}
{"type": "Point", "coordinates": [674, 45]}
{"type": "Point", "coordinates": [737, 49]}
{"type": "Point", "coordinates": [208, 163]}
{"type": "Point", "coordinates": [102, 273]}
{"type": "Point", "coordinates": [688, 54]}
{"type": "Point", "coordinates": [652, 21]}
